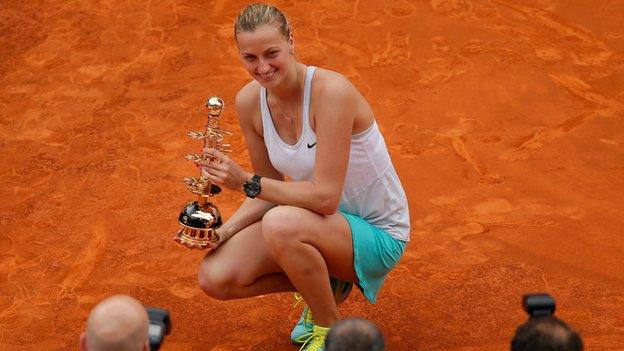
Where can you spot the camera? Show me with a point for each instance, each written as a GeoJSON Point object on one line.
{"type": "Point", "coordinates": [537, 305]}
{"type": "Point", "coordinates": [159, 326]}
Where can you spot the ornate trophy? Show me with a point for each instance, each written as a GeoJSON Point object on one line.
{"type": "Point", "coordinates": [200, 219]}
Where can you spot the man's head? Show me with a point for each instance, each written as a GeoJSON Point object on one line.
{"type": "Point", "coordinates": [354, 334]}
{"type": "Point", "coordinates": [118, 323]}
{"type": "Point", "coordinates": [547, 333]}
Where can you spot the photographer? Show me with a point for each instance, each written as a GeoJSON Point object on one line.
{"type": "Point", "coordinates": [118, 323]}
{"type": "Point", "coordinates": [354, 334]}
{"type": "Point", "coordinates": [543, 331]}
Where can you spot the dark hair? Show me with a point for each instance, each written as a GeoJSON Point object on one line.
{"type": "Point", "coordinates": [354, 334]}
{"type": "Point", "coordinates": [256, 15]}
{"type": "Point", "coordinates": [547, 333]}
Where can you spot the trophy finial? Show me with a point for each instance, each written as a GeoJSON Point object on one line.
{"type": "Point", "coordinates": [215, 106]}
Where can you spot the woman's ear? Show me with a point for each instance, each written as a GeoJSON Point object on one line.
{"type": "Point", "coordinates": [291, 43]}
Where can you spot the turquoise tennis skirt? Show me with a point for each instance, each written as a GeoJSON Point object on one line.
{"type": "Point", "coordinates": [375, 253]}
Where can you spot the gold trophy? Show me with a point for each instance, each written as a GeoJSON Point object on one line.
{"type": "Point", "coordinates": [200, 219]}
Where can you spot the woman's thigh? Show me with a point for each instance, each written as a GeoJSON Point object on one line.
{"type": "Point", "coordinates": [329, 234]}
{"type": "Point", "coordinates": [241, 259]}
{"type": "Point", "coordinates": [249, 254]}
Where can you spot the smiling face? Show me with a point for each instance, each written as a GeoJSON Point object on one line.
{"type": "Point", "coordinates": [266, 54]}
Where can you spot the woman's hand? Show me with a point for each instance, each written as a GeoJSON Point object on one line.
{"type": "Point", "coordinates": [209, 245]}
{"type": "Point", "coordinates": [223, 171]}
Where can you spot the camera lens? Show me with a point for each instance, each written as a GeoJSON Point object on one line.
{"type": "Point", "coordinates": [538, 304]}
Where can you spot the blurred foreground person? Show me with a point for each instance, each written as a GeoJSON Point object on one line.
{"type": "Point", "coordinates": [547, 333]}
{"type": "Point", "coordinates": [354, 334]}
{"type": "Point", "coordinates": [119, 323]}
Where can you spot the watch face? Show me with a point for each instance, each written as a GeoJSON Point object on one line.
{"type": "Point", "coordinates": [252, 188]}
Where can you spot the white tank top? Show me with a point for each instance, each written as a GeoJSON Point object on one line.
{"type": "Point", "coordinates": [372, 189]}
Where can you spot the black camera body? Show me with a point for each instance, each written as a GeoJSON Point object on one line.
{"type": "Point", "coordinates": [159, 326]}
{"type": "Point", "coordinates": [537, 305]}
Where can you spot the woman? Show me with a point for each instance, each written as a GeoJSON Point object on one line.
{"type": "Point", "coordinates": [342, 213]}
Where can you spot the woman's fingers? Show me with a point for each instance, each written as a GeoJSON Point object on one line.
{"type": "Point", "coordinates": [216, 153]}
{"type": "Point", "coordinates": [214, 176]}
{"type": "Point", "coordinates": [213, 165]}
{"type": "Point", "coordinates": [184, 243]}
{"type": "Point", "coordinates": [193, 246]}
{"type": "Point", "coordinates": [221, 170]}
{"type": "Point", "coordinates": [216, 166]}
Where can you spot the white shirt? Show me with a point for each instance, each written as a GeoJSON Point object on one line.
{"type": "Point", "coordinates": [372, 189]}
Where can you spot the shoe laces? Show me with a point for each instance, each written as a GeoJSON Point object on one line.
{"type": "Point", "coordinates": [308, 316]}
{"type": "Point", "coordinates": [316, 341]}
{"type": "Point", "coordinates": [307, 313]}
{"type": "Point", "coordinates": [298, 299]}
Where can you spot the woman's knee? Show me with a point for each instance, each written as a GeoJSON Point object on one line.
{"type": "Point", "coordinates": [216, 282]}
{"type": "Point", "coordinates": [281, 227]}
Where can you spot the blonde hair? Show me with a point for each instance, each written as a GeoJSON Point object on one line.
{"type": "Point", "coordinates": [256, 15]}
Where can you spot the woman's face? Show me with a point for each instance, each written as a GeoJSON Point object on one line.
{"type": "Point", "coordinates": [265, 53]}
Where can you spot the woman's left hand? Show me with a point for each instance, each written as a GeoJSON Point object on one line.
{"type": "Point", "coordinates": [223, 171]}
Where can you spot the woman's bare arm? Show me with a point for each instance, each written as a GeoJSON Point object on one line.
{"type": "Point", "coordinates": [334, 119]}
{"type": "Point", "coordinates": [251, 210]}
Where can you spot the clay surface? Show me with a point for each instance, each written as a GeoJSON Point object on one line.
{"type": "Point", "coordinates": [504, 119]}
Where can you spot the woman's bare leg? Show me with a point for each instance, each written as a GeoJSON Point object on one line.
{"type": "Point", "coordinates": [291, 249]}
{"type": "Point", "coordinates": [309, 247]}
{"type": "Point", "coordinates": [242, 267]}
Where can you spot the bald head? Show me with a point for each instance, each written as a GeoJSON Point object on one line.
{"type": "Point", "coordinates": [354, 334]}
{"type": "Point", "coordinates": [118, 323]}
{"type": "Point", "coordinates": [546, 333]}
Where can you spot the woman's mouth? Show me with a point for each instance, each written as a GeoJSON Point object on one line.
{"type": "Point", "coordinates": [269, 75]}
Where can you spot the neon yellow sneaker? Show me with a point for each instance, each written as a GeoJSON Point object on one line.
{"type": "Point", "coordinates": [303, 329]}
{"type": "Point", "coordinates": [316, 341]}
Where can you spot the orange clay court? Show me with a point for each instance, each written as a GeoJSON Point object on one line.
{"type": "Point", "coordinates": [504, 118]}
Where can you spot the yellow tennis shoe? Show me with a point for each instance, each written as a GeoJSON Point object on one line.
{"type": "Point", "coordinates": [316, 341]}
{"type": "Point", "coordinates": [304, 327]}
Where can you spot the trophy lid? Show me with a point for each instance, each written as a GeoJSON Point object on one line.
{"type": "Point", "coordinates": [215, 106]}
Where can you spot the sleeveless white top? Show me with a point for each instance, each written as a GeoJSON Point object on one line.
{"type": "Point", "coordinates": [372, 189]}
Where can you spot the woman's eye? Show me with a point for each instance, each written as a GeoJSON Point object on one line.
{"type": "Point", "coordinates": [272, 53]}
{"type": "Point", "coordinates": [249, 58]}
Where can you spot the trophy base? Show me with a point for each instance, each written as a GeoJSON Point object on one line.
{"type": "Point", "coordinates": [199, 221]}
{"type": "Point", "coordinates": [198, 236]}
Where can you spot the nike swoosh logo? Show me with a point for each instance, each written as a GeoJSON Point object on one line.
{"type": "Point", "coordinates": [311, 145]}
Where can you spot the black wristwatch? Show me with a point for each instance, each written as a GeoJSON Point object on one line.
{"type": "Point", "coordinates": [252, 186]}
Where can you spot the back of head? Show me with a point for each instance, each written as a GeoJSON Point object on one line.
{"type": "Point", "coordinates": [546, 333]}
{"type": "Point", "coordinates": [118, 323]}
{"type": "Point", "coordinates": [354, 334]}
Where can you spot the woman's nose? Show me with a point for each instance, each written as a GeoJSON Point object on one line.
{"type": "Point", "coordinates": [263, 66]}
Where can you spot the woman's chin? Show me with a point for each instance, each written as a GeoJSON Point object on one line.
{"type": "Point", "coordinates": [268, 83]}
